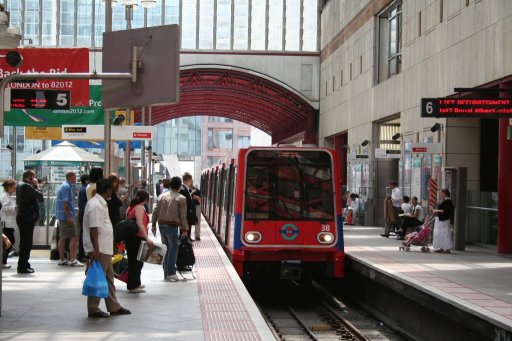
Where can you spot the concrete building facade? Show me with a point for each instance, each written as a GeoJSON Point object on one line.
{"type": "Point", "coordinates": [379, 58]}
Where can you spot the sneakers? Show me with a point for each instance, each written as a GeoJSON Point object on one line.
{"type": "Point", "coordinates": [6, 266]}
{"type": "Point", "coordinates": [138, 290]}
{"type": "Point", "coordinates": [172, 278]}
{"type": "Point", "coordinates": [75, 263]}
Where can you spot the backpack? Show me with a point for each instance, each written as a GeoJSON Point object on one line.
{"type": "Point", "coordinates": [186, 255]}
{"type": "Point", "coordinates": [125, 229]}
{"type": "Point", "coordinates": [191, 208]}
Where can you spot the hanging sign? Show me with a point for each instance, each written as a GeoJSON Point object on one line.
{"type": "Point", "coordinates": [387, 153]}
{"type": "Point", "coordinates": [43, 133]}
{"type": "Point", "coordinates": [466, 107]}
{"type": "Point", "coordinates": [90, 114]}
{"type": "Point", "coordinates": [354, 156]}
{"type": "Point", "coordinates": [424, 148]}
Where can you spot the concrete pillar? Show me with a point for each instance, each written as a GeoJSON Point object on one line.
{"type": "Point", "coordinates": [504, 185]}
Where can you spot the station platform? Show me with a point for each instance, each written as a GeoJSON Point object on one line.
{"type": "Point", "coordinates": [48, 305]}
{"type": "Point", "coordinates": [469, 291]}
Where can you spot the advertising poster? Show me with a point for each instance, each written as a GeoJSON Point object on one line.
{"type": "Point", "coordinates": [52, 60]}
{"type": "Point", "coordinates": [415, 176]}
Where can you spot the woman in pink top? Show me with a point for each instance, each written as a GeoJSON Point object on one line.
{"type": "Point", "coordinates": [137, 211]}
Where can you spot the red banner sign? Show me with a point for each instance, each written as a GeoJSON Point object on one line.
{"type": "Point", "coordinates": [418, 150]}
{"type": "Point", "coordinates": [52, 60]}
{"type": "Point", "coordinates": [432, 197]}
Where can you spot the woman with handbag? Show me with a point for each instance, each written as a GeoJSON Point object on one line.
{"type": "Point", "coordinates": [8, 217]}
{"type": "Point", "coordinates": [137, 211]}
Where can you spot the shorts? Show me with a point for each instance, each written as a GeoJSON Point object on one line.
{"type": "Point", "coordinates": [67, 229]}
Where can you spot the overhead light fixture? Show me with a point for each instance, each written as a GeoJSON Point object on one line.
{"type": "Point", "coordinates": [365, 143]}
{"type": "Point", "coordinates": [118, 120]}
{"type": "Point", "coordinates": [113, 3]}
{"type": "Point", "coordinates": [396, 136]}
{"type": "Point", "coordinates": [9, 147]}
{"type": "Point", "coordinates": [148, 3]}
{"type": "Point", "coordinates": [128, 2]}
{"type": "Point", "coordinates": [435, 127]}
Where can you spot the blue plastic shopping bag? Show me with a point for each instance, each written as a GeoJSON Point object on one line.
{"type": "Point", "coordinates": [95, 283]}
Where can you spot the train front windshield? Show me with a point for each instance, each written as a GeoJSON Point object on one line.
{"type": "Point", "coordinates": [289, 185]}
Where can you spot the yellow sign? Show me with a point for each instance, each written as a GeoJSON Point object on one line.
{"type": "Point", "coordinates": [43, 133]}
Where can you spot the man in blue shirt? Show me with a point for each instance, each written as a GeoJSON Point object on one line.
{"type": "Point", "coordinates": [66, 220]}
{"type": "Point", "coordinates": [82, 201]}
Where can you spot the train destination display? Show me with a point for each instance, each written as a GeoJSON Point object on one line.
{"type": "Point", "coordinates": [39, 99]}
{"type": "Point", "coordinates": [466, 107]}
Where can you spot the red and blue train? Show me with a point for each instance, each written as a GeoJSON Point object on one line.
{"type": "Point", "coordinates": [277, 212]}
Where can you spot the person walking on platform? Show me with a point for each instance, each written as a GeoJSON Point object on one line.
{"type": "Point", "coordinates": [8, 217]}
{"type": "Point", "coordinates": [442, 241]}
{"type": "Point", "coordinates": [65, 213]}
{"type": "Point", "coordinates": [195, 193]}
{"type": "Point", "coordinates": [171, 215]}
{"type": "Point", "coordinates": [393, 217]}
{"type": "Point", "coordinates": [99, 245]}
{"type": "Point", "coordinates": [191, 208]}
{"type": "Point", "coordinates": [166, 186]}
{"type": "Point", "coordinates": [137, 210]}
{"type": "Point", "coordinates": [82, 201]}
{"type": "Point", "coordinates": [114, 203]}
{"type": "Point", "coordinates": [27, 202]}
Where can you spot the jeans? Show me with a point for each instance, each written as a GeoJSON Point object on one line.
{"type": "Point", "coordinates": [171, 234]}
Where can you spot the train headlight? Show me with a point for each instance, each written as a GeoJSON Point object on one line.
{"type": "Point", "coordinates": [253, 237]}
{"type": "Point", "coordinates": [325, 237]}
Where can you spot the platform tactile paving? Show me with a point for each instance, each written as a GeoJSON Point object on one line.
{"type": "Point", "coordinates": [225, 317]}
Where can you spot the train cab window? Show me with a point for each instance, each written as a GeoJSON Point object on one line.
{"type": "Point", "coordinates": [289, 185]}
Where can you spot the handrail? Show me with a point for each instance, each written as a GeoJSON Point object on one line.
{"type": "Point", "coordinates": [483, 208]}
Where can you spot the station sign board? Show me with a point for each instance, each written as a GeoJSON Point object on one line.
{"type": "Point", "coordinates": [97, 132]}
{"type": "Point", "coordinates": [467, 107]}
{"type": "Point", "coordinates": [40, 99]}
{"type": "Point", "coordinates": [354, 156]}
{"type": "Point", "coordinates": [426, 148]}
{"type": "Point", "coordinates": [387, 153]}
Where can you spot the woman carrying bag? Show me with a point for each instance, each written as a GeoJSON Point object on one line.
{"type": "Point", "coordinates": [137, 211]}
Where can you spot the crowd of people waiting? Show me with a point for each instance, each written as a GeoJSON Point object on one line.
{"type": "Point", "coordinates": [102, 203]}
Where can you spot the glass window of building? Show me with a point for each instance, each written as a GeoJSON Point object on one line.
{"type": "Point", "coordinates": [292, 25]}
{"type": "Point", "coordinates": [154, 15]}
{"type": "Point", "coordinates": [188, 25]}
{"type": "Point", "coordinates": [310, 26]}
{"type": "Point", "coordinates": [118, 18]}
{"type": "Point", "coordinates": [219, 119]}
{"type": "Point", "coordinates": [214, 160]}
{"type": "Point", "coordinates": [15, 11]}
{"type": "Point", "coordinates": [31, 30]}
{"type": "Point", "coordinates": [223, 38]}
{"type": "Point", "coordinates": [206, 24]}
{"type": "Point", "coordinates": [220, 139]}
{"type": "Point", "coordinates": [395, 38]}
{"type": "Point", "coordinates": [84, 23]}
{"type": "Point", "coordinates": [244, 141]}
{"type": "Point", "coordinates": [138, 17]}
{"type": "Point", "coordinates": [241, 25]}
{"type": "Point", "coordinates": [99, 25]}
{"type": "Point", "coordinates": [258, 25]}
{"type": "Point", "coordinates": [172, 12]}
{"type": "Point", "coordinates": [275, 25]}
{"type": "Point", "coordinates": [49, 23]}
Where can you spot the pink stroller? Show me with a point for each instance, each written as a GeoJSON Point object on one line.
{"type": "Point", "coordinates": [419, 238]}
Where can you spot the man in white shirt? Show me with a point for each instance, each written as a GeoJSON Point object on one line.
{"type": "Point", "coordinates": [396, 198]}
{"type": "Point", "coordinates": [98, 238]}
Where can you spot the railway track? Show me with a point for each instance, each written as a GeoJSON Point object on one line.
{"type": "Point", "coordinates": [310, 322]}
